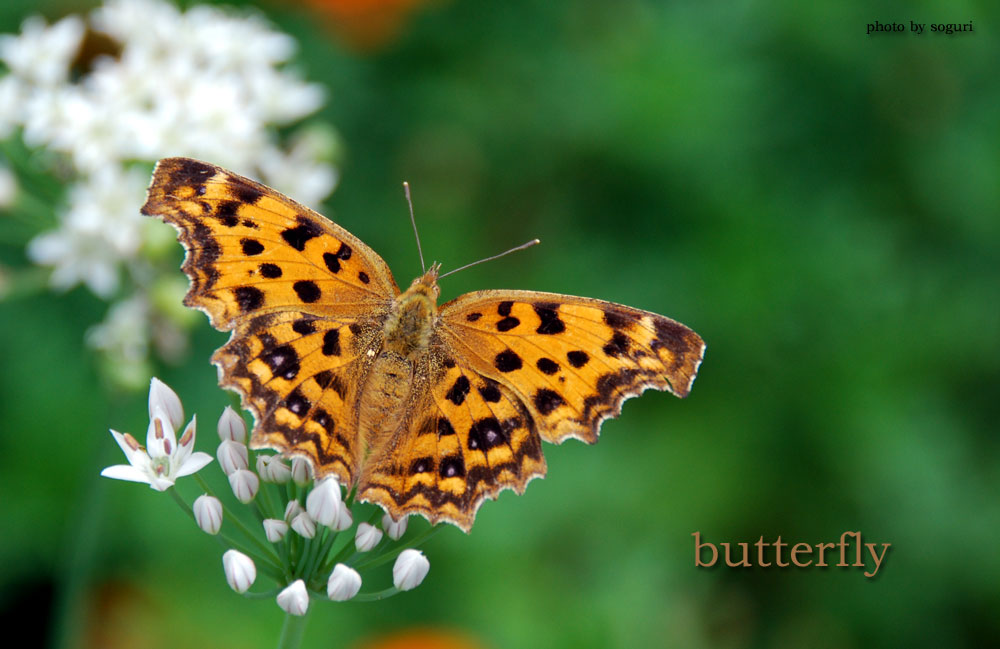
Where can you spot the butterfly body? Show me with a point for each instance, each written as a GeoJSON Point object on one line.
{"type": "Point", "coordinates": [424, 409]}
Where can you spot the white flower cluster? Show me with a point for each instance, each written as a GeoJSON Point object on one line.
{"type": "Point", "coordinates": [164, 459]}
{"type": "Point", "coordinates": [204, 83]}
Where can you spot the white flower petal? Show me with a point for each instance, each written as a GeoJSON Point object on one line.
{"type": "Point", "coordinates": [240, 570]}
{"type": "Point", "coordinates": [294, 599]}
{"type": "Point", "coordinates": [125, 472]}
{"type": "Point", "coordinates": [367, 537]}
{"type": "Point", "coordinates": [164, 398]}
{"type": "Point", "coordinates": [208, 513]}
{"type": "Point", "coordinates": [194, 463]}
{"type": "Point", "coordinates": [410, 569]}
{"type": "Point", "coordinates": [344, 583]}
{"type": "Point", "coordinates": [323, 502]}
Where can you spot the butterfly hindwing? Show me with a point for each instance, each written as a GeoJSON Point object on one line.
{"type": "Point", "coordinates": [572, 361]}
{"type": "Point", "coordinates": [470, 439]}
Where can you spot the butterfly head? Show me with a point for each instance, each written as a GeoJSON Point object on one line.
{"type": "Point", "coordinates": [426, 284]}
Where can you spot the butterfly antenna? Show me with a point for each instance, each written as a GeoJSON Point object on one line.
{"type": "Point", "coordinates": [527, 244]}
{"type": "Point", "coordinates": [413, 220]}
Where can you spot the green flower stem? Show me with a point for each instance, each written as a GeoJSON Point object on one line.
{"type": "Point", "coordinates": [232, 518]}
{"type": "Point", "coordinates": [265, 564]}
{"type": "Point", "coordinates": [417, 541]}
{"type": "Point", "coordinates": [292, 631]}
{"type": "Point", "coordinates": [264, 498]}
{"type": "Point", "coordinates": [374, 597]}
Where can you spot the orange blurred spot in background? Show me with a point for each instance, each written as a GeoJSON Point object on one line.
{"type": "Point", "coordinates": [367, 24]}
{"type": "Point", "coordinates": [422, 639]}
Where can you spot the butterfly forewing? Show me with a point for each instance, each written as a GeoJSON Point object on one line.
{"type": "Point", "coordinates": [571, 360]}
{"type": "Point", "coordinates": [252, 249]}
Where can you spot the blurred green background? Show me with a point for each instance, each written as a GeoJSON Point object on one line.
{"type": "Point", "coordinates": [820, 205]}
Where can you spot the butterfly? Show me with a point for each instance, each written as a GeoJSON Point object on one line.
{"type": "Point", "coordinates": [423, 409]}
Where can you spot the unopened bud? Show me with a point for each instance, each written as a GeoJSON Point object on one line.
{"type": "Point", "coordinates": [208, 513]}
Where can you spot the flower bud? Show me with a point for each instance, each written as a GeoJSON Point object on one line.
{"type": "Point", "coordinates": [344, 519]}
{"type": "Point", "coordinates": [240, 571]}
{"type": "Point", "coordinates": [245, 485]}
{"type": "Point", "coordinates": [273, 469]}
{"type": "Point", "coordinates": [292, 509]}
{"type": "Point", "coordinates": [301, 471]}
{"type": "Point", "coordinates": [367, 537]}
{"type": "Point", "coordinates": [275, 529]}
{"type": "Point", "coordinates": [323, 502]}
{"type": "Point", "coordinates": [232, 427]}
{"type": "Point", "coordinates": [294, 599]}
{"type": "Point", "coordinates": [232, 456]}
{"type": "Point", "coordinates": [208, 513]}
{"type": "Point", "coordinates": [163, 398]}
{"type": "Point", "coordinates": [344, 583]}
{"type": "Point", "coordinates": [395, 529]}
{"type": "Point", "coordinates": [410, 569]}
{"type": "Point", "coordinates": [304, 525]}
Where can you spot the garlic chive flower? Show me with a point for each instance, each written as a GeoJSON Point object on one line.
{"type": "Point", "coordinates": [301, 471]}
{"type": "Point", "coordinates": [240, 570]}
{"type": "Point", "coordinates": [323, 502]}
{"type": "Point", "coordinates": [294, 599]}
{"type": "Point", "coordinates": [164, 459]}
{"type": "Point", "coordinates": [393, 528]}
{"type": "Point", "coordinates": [275, 529]}
{"type": "Point", "coordinates": [232, 456]}
{"type": "Point", "coordinates": [367, 537]}
{"type": "Point", "coordinates": [304, 525]}
{"type": "Point", "coordinates": [232, 427]}
{"type": "Point", "coordinates": [344, 583]}
{"type": "Point", "coordinates": [272, 468]}
{"type": "Point", "coordinates": [245, 485]}
{"type": "Point", "coordinates": [208, 513]}
{"type": "Point", "coordinates": [410, 569]}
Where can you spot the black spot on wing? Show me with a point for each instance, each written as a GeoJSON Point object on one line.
{"type": "Point", "coordinates": [422, 465]}
{"type": "Point", "coordinates": [270, 271]}
{"type": "Point", "coordinates": [332, 262]}
{"type": "Point", "coordinates": [304, 326]}
{"type": "Point", "coordinates": [307, 290]}
{"type": "Point", "coordinates": [227, 213]}
{"type": "Point", "coordinates": [547, 366]}
{"type": "Point", "coordinates": [246, 193]}
{"type": "Point", "coordinates": [363, 276]}
{"type": "Point", "coordinates": [546, 401]}
{"type": "Point", "coordinates": [452, 466]}
{"type": "Point", "coordinates": [577, 358]}
{"type": "Point", "coordinates": [458, 391]}
{"type": "Point", "coordinates": [549, 315]}
{"type": "Point", "coordinates": [298, 236]}
{"type": "Point", "coordinates": [472, 317]}
{"type": "Point", "coordinates": [331, 343]}
{"type": "Point", "coordinates": [251, 247]}
{"type": "Point", "coordinates": [507, 323]}
{"type": "Point", "coordinates": [485, 434]}
{"type": "Point", "coordinates": [298, 403]}
{"type": "Point", "coordinates": [504, 308]}
{"type": "Point", "coordinates": [344, 252]}
{"type": "Point", "coordinates": [617, 346]}
{"type": "Point", "coordinates": [507, 361]}
{"type": "Point", "coordinates": [617, 319]}
{"type": "Point", "coordinates": [490, 392]}
{"type": "Point", "coordinates": [444, 427]}
{"type": "Point", "coordinates": [283, 361]}
{"type": "Point", "coordinates": [248, 297]}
